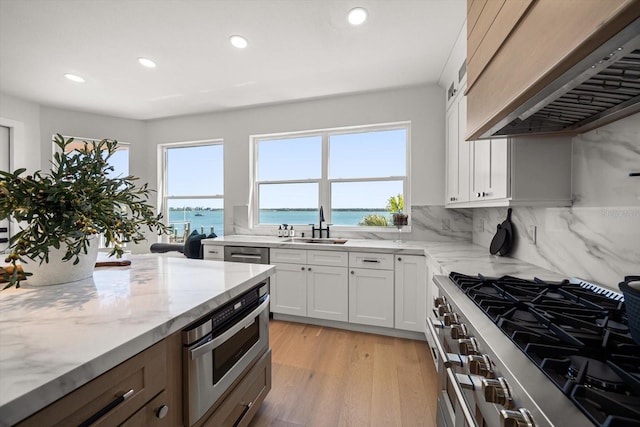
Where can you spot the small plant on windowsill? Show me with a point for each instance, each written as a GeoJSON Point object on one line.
{"type": "Point", "coordinates": [395, 205]}
{"type": "Point", "coordinates": [64, 209]}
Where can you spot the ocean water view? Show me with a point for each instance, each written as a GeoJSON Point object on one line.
{"type": "Point", "coordinates": [204, 220]}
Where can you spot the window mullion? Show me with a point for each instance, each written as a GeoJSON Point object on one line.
{"type": "Point", "coordinates": [325, 185]}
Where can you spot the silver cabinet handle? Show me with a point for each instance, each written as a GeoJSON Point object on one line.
{"type": "Point", "coordinates": [194, 353]}
{"type": "Point", "coordinates": [469, 419]}
{"type": "Point", "coordinates": [248, 256]}
{"type": "Point", "coordinates": [442, 355]}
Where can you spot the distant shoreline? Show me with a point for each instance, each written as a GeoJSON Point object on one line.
{"type": "Point", "coordinates": [188, 209]}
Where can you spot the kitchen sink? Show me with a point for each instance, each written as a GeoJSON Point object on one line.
{"type": "Point", "coordinates": [317, 241]}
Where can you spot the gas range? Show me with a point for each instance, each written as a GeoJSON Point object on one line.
{"type": "Point", "coordinates": [573, 333]}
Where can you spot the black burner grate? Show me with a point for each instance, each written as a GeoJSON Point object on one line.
{"type": "Point", "coordinates": [576, 334]}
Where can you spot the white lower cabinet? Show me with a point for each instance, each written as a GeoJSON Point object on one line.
{"type": "Point", "coordinates": [374, 289]}
{"type": "Point", "coordinates": [371, 297]}
{"type": "Point", "coordinates": [410, 292]}
{"type": "Point", "coordinates": [289, 290]}
{"type": "Point", "coordinates": [327, 293]}
{"type": "Point", "coordinates": [315, 286]}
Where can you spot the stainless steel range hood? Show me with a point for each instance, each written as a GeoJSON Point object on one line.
{"type": "Point", "coordinates": [602, 88]}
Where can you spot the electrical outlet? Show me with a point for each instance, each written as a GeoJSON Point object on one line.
{"type": "Point", "coordinates": [532, 231]}
{"type": "Point", "coordinates": [446, 224]}
{"type": "Point", "coordinates": [480, 226]}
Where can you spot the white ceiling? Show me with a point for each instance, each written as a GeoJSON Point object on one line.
{"type": "Point", "coordinates": [297, 49]}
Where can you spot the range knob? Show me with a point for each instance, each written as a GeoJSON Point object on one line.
{"type": "Point", "coordinates": [468, 346]}
{"type": "Point", "coordinates": [444, 309]}
{"type": "Point", "coordinates": [451, 319]}
{"type": "Point", "coordinates": [480, 365]}
{"type": "Point", "coordinates": [438, 301]}
{"type": "Point", "coordinates": [516, 418]}
{"type": "Point", "coordinates": [459, 331]}
{"type": "Point", "coordinates": [497, 391]}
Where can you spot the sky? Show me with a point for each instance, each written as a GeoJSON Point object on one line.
{"type": "Point", "coordinates": [199, 170]}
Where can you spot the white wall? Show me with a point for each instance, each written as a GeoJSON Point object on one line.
{"type": "Point", "coordinates": [23, 118]}
{"type": "Point", "coordinates": [95, 126]}
{"type": "Point", "coordinates": [422, 105]}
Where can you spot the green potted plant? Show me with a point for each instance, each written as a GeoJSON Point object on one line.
{"type": "Point", "coordinates": [395, 205]}
{"type": "Point", "coordinates": [65, 209]}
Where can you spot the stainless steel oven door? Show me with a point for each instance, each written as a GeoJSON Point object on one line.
{"type": "Point", "coordinates": [213, 364]}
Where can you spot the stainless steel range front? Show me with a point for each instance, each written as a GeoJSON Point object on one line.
{"type": "Point", "coordinates": [527, 353]}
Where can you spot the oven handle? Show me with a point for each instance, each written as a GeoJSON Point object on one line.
{"type": "Point", "coordinates": [436, 339]}
{"type": "Point", "coordinates": [194, 353]}
{"type": "Point", "coordinates": [462, 403]}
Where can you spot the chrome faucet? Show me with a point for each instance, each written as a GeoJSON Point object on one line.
{"type": "Point", "coordinates": [319, 229]}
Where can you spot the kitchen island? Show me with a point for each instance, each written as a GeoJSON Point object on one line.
{"type": "Point", "coordinates": [56, 339]}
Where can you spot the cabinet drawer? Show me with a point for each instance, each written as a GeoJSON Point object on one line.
{"type": "Point", "coordinates": [330, 258]}
{"type": "Point", "coordinates": [371, 260]}
{"type": "Point", "coordinates": [243, 402]}
{"type": "Point", "coordinates": [288, 256]}
{"type": "Point", "coordinates": [144, 373]}
{"type": "Point", "coordinates": [213, 252]}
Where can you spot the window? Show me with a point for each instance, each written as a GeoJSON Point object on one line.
{"type": "Point", "coordinates": [351, 172]}
{"type": "Point", "coordinates": [193, 188]}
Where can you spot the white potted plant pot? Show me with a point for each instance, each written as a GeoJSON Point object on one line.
{"type": "Point", "coordinates": [56, 271]}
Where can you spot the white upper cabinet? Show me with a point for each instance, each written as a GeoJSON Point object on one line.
{"type": "Point", "coordinates": [490, 169]}
{"type": "Point", "coordinates": [523, 171]}
{"type": "Point", "coordinates": [457, 152]}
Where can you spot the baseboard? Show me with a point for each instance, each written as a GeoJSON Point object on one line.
{"type": "Point", "coordinates": [390, 332]}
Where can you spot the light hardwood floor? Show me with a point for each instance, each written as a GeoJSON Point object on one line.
{"type": "Point", "coordinates": [332, 377]}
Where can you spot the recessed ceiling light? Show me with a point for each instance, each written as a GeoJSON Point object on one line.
{"type": "Point", "coordinates": [146, 62]}
{"type": "Point", "coordinates": [238, 41]}
{"type": "Point", "coordinates": [74, 78]}
{"type": "Point", "coordinates": [357, 16]}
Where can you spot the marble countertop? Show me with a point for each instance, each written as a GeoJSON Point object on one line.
{"type": "Point", "coordinates": [462, 257]}
{"type": "Point", "coordinates": [55, 339]}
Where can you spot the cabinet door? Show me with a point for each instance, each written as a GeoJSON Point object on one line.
{"type": "Point", "coordinates": [327, 292]}
{"type": "Point", "coordinates": [464, 151]}
{"type": "Point", "coordinates": [289, 289]}
{"type": "Point", "coordinates": [452, 154]}
{"type": "Point", "coordinates": [410, 290]}
{"type": "Point", "coordinates": [371, 297]}
{"type": "Point", "coordinates": [458, 152]}
{"type": "Point", "coordinates": [497, 187]}
{"type": "Point", "coordinates": [490, 169]}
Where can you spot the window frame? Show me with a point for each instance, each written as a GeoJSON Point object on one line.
{"type": "Point", "coordinates": [163, 197]}
{"type": "Point", "coordinates": [324, 182]}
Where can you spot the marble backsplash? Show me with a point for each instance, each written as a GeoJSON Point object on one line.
{"type": "Point", "coordinates": [595, 244]}
{"type": "Point", "coordinates": [431, 223]}
{"type": "Point", "coordinates": [598, 238]}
